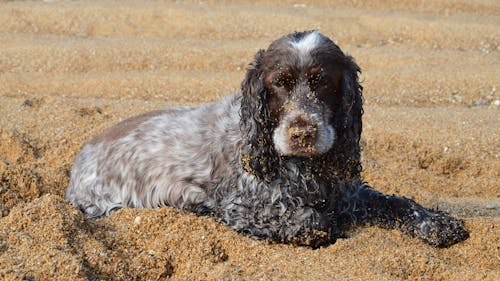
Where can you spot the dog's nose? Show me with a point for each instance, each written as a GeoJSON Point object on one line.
{"type": "Point", "coordinates": [302, 134]}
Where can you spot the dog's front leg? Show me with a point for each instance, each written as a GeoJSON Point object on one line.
{"type": "Point", "coordinates": [284, 221]}
{"type": "Point", "coordinates": [360, 204]}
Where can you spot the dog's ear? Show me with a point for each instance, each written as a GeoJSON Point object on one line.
{"type": "Point", "coordinates": [257, 155]}
{"type": "Point", "coordinates": [253, 110]}
{"type": "Point", "coordinates": [348, 120]}
{"type": "Point", "coordinates": [252, 86]}
{"type": "Point", "coordinates": [352, 99]}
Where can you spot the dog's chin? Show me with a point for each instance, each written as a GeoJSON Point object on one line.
{"type": "Point", "coordinates": [294, 150]}
{"type": "Point", "coordinates": [300, 152]}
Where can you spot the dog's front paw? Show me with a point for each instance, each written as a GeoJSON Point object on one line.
{"type": "Point", "coordinates": [439, 229]}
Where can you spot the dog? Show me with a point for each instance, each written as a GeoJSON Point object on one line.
{"type": "Point", "coordinates": [278, 160]}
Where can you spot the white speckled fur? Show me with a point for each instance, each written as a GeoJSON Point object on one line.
{"type": "Point", "coordinates": [158, 163]}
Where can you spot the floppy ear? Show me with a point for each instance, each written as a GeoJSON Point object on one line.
{"type": "Point", "coordinates": [352, 95]}
{"type": "Point", "coordinates": [252, 84]}
{"type": "Point", "coordinates": [253, 93]}
{"type": "Point", "coordinates": [257, 151]}
{"type": "Point", "coordinates": [349, 123]}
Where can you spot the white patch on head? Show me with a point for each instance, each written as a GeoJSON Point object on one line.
{"type": "Point", "coordinates": [307, 43]}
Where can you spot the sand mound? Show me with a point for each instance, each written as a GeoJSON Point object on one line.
{"type": "Point", "coordinates": [49, 239]}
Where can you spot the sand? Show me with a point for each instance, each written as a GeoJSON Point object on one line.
{"type": "Point", "coordinates": [69, 69]}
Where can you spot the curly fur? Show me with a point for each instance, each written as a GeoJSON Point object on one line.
{"type": "Point", "coordinates": [278, 160]}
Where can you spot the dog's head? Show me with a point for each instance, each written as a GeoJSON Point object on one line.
{"type": "Point", "coordinates": [302, 97]}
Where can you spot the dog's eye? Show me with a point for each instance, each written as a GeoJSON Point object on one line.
{"type": "Point", "coordinates": [314, 80]}
{"type": "Point", "coordinates": [283, 81]}
{"type": "Point", "coordinates": [278, 82]}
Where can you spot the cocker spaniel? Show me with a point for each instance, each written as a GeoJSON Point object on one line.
{"type": "Point", "coordinates": [278, 160]}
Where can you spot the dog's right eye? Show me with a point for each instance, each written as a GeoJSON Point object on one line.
{"type": "Point", "coordinates": [283, 81]}
{"type": "Point", "coordinates": [278, 82]}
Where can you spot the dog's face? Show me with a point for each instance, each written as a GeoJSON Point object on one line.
{"type": "Point", "coordinates": [302, 76]}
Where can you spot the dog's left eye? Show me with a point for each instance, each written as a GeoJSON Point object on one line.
{"type": "Point", "coordinates": [314, 80]}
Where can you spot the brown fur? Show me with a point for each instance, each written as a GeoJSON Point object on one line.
{"type": "Point", "coordinates": [125, 127]}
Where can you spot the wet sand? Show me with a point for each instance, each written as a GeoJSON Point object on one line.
{"type": "Point", "coordinates": [68, 70]}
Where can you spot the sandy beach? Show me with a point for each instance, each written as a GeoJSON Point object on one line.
{"type": "Point", "coordinates": [70, 69]}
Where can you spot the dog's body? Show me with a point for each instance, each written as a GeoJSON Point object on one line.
{"type": "Point", "coordinates": [280, 160]}
{"type": "Point", "coordinates": [150, 164]}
